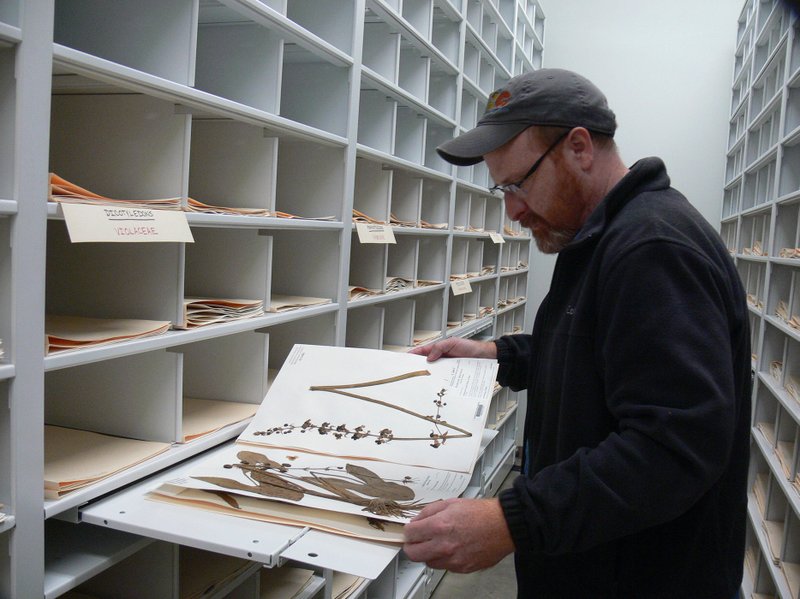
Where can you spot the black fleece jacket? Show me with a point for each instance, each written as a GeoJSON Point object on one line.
{"type": "Point", "coordinates": [637, 428]}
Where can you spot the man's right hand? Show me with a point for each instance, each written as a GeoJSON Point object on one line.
{"type": "Point", "coordinates": [457, 347]}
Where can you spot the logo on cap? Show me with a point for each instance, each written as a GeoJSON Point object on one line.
{"type": "Point", "coordinates": [498, 99]}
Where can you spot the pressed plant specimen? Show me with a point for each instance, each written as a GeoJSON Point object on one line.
{"type": "Point", "coordinates": [350, 483]}
{"type": "Point", "coordinates": [440, 432]}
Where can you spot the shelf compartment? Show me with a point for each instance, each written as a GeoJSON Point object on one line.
{"type": "Point", "coordinates": [732, 199]}
{"type": "Point", "coordinates": [406, 197]}
{"type": "Point", "coordinates": [124, 33]}
{"type": "Point", "coordinates": [475, 257]}
{"type": "Point", "coordinates": [123, 146]}
{"type": "Point", "coordinates": [755, 338]}
{"type": "Point", "coordinates": [753, 275]}
{"type": "Point", "coordinates": [333, 22]}
{"type": "Point", "coordinates": [410, 134]}
{"type": "Point", "coordinates": [418, 14]}
{"type": "Point", "coordinates": [759, 183]}
{"type": "Point", "coordinates": [237, 59]}
{"type": "Point", "coordinates": [398, 324]}
{"type": "Point", "coordinates": [487, 298]}
{"type": "Point", "coordinates": [741, 88]}
{"type": "Point", "coordinates": [75, 553]}
{"type": "Point", "coordinates": [758, 577]}
{"type": "Point", "coordinates": [311, 179]}
{"type": "Point", "coordinates": [435, 208]}
{"type": "Point", "coordinates": [471, 110]}
{"type": "Point", "coordinates": [232, 164]}
{"type": "Point", "coordinates": [790, 169]}
{"type": "Point", "coordinates": [754, 235]}
{"type": "Point", "coordinates": [314, 92]}
{"type": "Point", "coordinates": [442, 91]}
{"type": "Point", "coordinates": [123, 281]}
{"type": "Point", "coordinates": [734, 163]}
{"type": "Point", "coordinates": [445, 33]}
{"type": "Point", "coordinates": [365, 327]}
{"type": "Point", "coordinates": [402, 259]}
{"type": "Point", "coordinates": [737, 127]}
{"type": "Point", "coordinates": [208, 271]}
{"type": "Point", "coordinates": [102, 397]}
{"type": "Point", "coordinates": [775, 352]}
{"type": "Point", "coordinates": [515, 256]}
{"type": "Point", "coordinates": [316, 330]}
{"type": "Point", "coordinates": [413, 72]}
{"type": "Point", "coordinates": [764, 134]}
{"type": "Point", "coordinates": [787, 230]}
{"type": "Point", "coordinates": [432, 258]}
{"type": "Point", "coordinates": [230, 368]}
{"type": "Point", "coordinates": [376, 120]}
{"type": "Point", "coordinates": [775, 524]}
{"type": "Point", "coordinates": [368, 263]}
{"type": "Point", "coordinates": [311, 274]}
{"type": "Point", "coordinates": [462, 210]}
{"type": "Point", "coordinates": [373, 189]}
{"type": "Point", "coordinates": [792, 118]}
{"type": "Point", "coordinates": [428, 317]}
{"type": "Point", "coordinates": [381, 49]}
{"type": "Point", "coordinates": [510, 321]}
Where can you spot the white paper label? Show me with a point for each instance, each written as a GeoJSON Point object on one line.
{"type": "Point", "coordinates": [369, 233]}
{"type": "Point", "coordinates": [87, 223]}
{"type": "Point", "coordinates": [460, 287]}
{"type": "Point", "coordinates": [497, 238]}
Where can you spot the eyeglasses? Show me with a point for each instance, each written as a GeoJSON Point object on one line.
{"type": "Point", "coordinates": [517, 186]}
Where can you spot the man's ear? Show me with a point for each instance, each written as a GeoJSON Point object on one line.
{"type": "Point", "coordinates": [580, 147]}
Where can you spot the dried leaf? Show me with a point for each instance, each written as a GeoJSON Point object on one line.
{"type": "Point", "coordinates": [227, 498]}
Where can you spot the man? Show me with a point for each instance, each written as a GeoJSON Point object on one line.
{"type": "Point", "coordinates": [637, 371]}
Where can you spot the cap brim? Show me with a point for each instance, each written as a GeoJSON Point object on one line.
{"type": "Point", "coordinates": [472, 146]}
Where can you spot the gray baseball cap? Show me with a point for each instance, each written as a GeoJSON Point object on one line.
{"type": "Point", "coordinates": [547, 97]}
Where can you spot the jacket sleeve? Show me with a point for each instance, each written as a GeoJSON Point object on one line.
{"type": "Point", "coordinates": [665, 354]}
{"type": "Point", "coordinates": [515, 357]}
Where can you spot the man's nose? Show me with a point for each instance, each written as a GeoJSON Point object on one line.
{"type": "Point", "coordinates": [514, 206]}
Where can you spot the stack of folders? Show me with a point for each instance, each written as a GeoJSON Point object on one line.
{"type": "Point", "coordinates": [199, 312]}
{"type": "Point", "coordinates": [76, 332]}
{"type": "Point", "coordinates": [76, 458]}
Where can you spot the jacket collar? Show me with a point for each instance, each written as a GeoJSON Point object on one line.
{"type": "Point", "coordinates": [648, 174]}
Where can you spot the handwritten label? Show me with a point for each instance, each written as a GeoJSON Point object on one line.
{"type": "Point", "coordinates": [87, 223]}
{"type": "Point", "coordinates": [369, 233]}
{"type": "Point", "coordinates": [496, 237]}
{"type": "Point", "coordinates": [460, 287]}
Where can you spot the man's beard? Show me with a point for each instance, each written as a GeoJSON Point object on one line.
{"type": "Point", "coordinates": [550, 240]}
{"type": "Point", "coordinates": [554, 240]}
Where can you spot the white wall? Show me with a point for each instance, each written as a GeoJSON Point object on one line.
{"type": "Point", "coordinates": [666, 68]}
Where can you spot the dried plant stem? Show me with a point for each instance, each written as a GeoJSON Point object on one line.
{"type": "Point", "coordinates": [393, 379]}
{"type": "Point", "coordinates": [336, 389]}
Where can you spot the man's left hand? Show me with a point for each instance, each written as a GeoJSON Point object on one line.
{"type": "Point", "coordinates": [460, 535]}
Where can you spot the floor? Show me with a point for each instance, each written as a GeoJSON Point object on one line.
{"type": "Point", "coordinates": [497, 582]}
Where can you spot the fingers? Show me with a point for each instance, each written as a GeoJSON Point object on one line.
{"type": "Point", "coordinates": [456, 347]}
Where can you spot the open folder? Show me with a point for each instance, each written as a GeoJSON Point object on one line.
{"type": "Point", "coordinates": [349, 440]}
